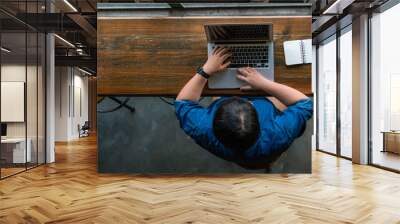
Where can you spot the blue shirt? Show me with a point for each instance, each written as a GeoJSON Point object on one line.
{"type": "Point", "coordinates": [277, 129]}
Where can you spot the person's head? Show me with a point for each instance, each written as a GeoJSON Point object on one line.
{"type": "Point", "coordinates": [236, 124]}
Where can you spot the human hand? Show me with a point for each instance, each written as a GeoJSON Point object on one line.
{"type": "Point", "coordinates": [252, 77]}
{"type": "Point", "coordinates": [217, 61]}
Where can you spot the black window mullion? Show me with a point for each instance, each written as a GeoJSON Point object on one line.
{"type": "Point", "coordinates": [26, 87]}
{"type": "Point", "coordinates": [37, 90]}
{"type": "Point", "coordinates": [338, 100]}
{"type": "Point", "coordinates": [369, 96]}
{"type": "Point", "coordinates": [317, 96]}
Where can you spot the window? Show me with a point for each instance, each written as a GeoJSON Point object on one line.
{"type": "Point", "coordinates": [334, 137]}
{"type": "Point", "coordinates": [327, 96]}
{"type": "Point", "coordinates": [346, 92]}
{"type": "Point", "coordinates": [385, 89]}
{"type": "Point", "coordinates": [22, 78]}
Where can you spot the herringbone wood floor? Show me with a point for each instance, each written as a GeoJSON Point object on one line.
{"type": "Point", "coordinates": [71, 191]}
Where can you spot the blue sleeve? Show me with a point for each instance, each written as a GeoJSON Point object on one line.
{"type": "Point", "coordinates": [292, 121]}
{"type": "Point", "coordinates": [190, 115]}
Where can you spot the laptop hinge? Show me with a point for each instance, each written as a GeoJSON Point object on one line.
{"type": "Point", "coordinates": [240, 42]}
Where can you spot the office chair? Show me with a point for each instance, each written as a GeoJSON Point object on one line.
{"type": "Point", "coordinates": [84, 130]}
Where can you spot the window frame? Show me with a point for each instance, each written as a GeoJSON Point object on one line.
{"type": "Point", "coordinates": [381, 9]}
{"type": "Point", "coordinates": [31, 30]}
{"type": "Point", "coordinates": [339, 32]}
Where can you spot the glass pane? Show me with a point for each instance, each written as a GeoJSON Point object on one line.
{"type": "Point", "coordinates": [41, 98]}
{"type": "Point", "coordinates": [13, 87]}
{"type": "Point", "coordinates": [31, 100]}
{"type": "Point", "coordinates": [327, 96]}
{"type": "Point", "coordinates": [385, 84]}
{"type": "Point", "coordinates": [346, 93]}
{"type": "Point", "coordinates": [31, 88]}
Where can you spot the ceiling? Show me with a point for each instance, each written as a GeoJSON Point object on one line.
{"type": "Point", "coordinates": [72, 20]}
{"type": "Point", "coordinates": [330, 15]}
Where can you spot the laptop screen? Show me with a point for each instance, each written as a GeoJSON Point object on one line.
{"type": "Point", "coordinates": [238, 32]}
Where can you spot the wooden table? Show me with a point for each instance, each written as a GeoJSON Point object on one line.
{"type": "Point", "coordinates": [157, 56]}
{"type": "Point", "coordinates": [391, 141]}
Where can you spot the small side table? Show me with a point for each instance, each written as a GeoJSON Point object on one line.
{"type": "Point", "coordinates": [391, 141]}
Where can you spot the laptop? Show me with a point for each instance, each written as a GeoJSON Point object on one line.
{"type": "Point", "coordinates": [250, 44]}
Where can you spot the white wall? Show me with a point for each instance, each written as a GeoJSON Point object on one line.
{"type": "Point", "coordinates": [13, 101]}
{"type": "Point", "coordinates": [10, 73]}
{"type": "Point", "coordinates": [70, 84]}
{"type": "Point", "coordinates": [17, 73]}
{"type": "Point", "coordinates": [62, 81]}
{"type": "Point", "coordinates": [13, 72]}
{"type": "Point", "coordinates": [80, 109]}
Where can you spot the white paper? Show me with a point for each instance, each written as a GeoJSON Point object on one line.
{"type": "Point", "coordinates": [293, 55]}
{"type": "Point", "coordinates": [298, 52]}
{"type": "Point", "coordinates": [307, 46]}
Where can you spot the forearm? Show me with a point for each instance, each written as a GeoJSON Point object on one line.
{"type": "Point", "coordinates": [283, 93]}
{"type": "Point", "coordinates": [193, 89]}
{"type": "Point", "coordinates": [216, 62]}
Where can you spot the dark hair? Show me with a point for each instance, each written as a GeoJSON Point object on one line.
{"type": "Point", "coordinates": [236, 124]}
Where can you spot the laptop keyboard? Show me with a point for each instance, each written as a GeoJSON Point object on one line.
{"type": "Point", "coordinates": [255, 56]}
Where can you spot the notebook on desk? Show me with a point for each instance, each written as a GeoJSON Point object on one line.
{"type": "Point", "coordinates": [298, 52]}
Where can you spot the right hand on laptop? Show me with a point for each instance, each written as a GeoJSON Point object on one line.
{"type": "Point", "coordinates": [217, 61]}
{"type": "Point", "coordinates": [252, 77]}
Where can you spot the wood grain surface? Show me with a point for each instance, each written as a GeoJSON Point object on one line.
{"type": "Point", "coordinates": [72, 191]}
{"type": "Point", "coordinates": [157, 56]}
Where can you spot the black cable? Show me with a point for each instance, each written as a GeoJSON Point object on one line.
{"type": "Point", "coordinates": [121, 104]}
{"type": "Point", "coordinates": [114, 109]}
{"type": "Point", "coordinates": [166, 101]}
{"type": "Point", "coordinates": [124, 104]}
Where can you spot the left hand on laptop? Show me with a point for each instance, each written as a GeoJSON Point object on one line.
{"type": "Point", "coordinates": [217, 61]}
